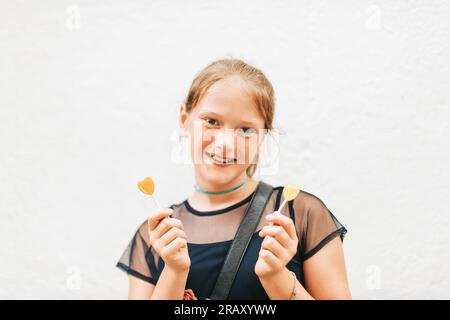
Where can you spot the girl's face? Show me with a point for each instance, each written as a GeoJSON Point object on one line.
{"type": "Point", "coordinates": [225, 126]}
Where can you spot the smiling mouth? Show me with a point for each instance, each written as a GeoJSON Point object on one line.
{"type": "Point", "coordinates": [220, 160]}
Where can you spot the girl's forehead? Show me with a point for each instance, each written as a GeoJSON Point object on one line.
{"type": "Point", "coordinates": [232, 100]}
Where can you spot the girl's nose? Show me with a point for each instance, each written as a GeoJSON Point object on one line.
{"type": "Point", "coordinates": [224, 142]}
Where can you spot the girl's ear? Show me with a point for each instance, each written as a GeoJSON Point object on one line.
{"type": "Point", "coordinates": [183, 117]}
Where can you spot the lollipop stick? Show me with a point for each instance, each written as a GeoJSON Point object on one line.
{"type": "Point", "coordinates": [156, 201]}
{"type": "Point", "coordinates": [281, 207]}
{"type": "Point", "coordinates": [278, 211]}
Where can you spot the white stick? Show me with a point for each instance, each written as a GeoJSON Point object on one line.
{"type": "Point", "coordinates": [156, 201]}
{"type": "Point", "coordinates": [279, 210]}
{"type": "Point", "coordinates": [281, 207]}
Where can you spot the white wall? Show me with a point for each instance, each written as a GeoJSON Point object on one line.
{"type": "Point", "coordinates": [89, 95]}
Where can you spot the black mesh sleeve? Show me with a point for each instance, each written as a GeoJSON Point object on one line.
{"type": "Point", "coordinates": [317, 224]}
{"type": "Point", "coordinates": [139, 259]}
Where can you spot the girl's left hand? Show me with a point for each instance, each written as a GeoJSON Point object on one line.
{"type": "Point", "coordinates": [278, 246]}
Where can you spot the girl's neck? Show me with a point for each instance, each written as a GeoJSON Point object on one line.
{"type": "Point", "coordinates": [208, 202]}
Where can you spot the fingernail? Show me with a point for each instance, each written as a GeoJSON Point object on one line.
{"type": "Point", "coordinates": [269, 217]}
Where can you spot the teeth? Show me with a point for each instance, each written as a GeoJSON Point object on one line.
{"type": "Point", "coordinates": [214, 157]}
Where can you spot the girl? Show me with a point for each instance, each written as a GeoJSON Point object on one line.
{"type": "Point", "coordinates": [179, 251]}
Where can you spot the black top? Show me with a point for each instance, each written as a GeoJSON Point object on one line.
{"type": "Point", "coordinates": [210, 234]}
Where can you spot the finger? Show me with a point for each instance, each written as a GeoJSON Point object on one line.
{"type": "Point", "coordinates": [174, 246]}
{"type": "Point", "coordinates": [277, 232]}
{"type": "Point", "coordinates": [155, 218]}
{"type": "Point", "coordinates": [275, 247]}
{"type": "Point", "coordinates": [284, 221]}
{"type": "Point", "coordinates": [271, 260]}
{"type": "Point", "coordinates": [164, 226]}
{"type": "Point", "coordinates": [170, 235]}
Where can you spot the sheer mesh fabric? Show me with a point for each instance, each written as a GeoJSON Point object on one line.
{"type": "Point", "coordinates": [314, 222]}
{"type": "Point", "coordinates": [139, 259]}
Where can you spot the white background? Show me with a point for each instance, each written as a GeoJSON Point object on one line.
{"type": "Point", "coordinates": [89, 97]}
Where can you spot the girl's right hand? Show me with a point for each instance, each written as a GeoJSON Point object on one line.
{"type": "Point", "coordinates": [169, 240]}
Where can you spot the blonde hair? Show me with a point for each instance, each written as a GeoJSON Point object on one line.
{"type": "Point", "coordinates": [261, 89]}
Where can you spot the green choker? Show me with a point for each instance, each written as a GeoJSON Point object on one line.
{"type": "Point", "coordinates": [220, 192]}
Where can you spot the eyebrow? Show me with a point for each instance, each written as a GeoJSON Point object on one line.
{"type": "Point", "coordinates": [220, 116]}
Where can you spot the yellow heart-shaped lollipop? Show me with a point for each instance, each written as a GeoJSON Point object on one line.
{"type": "Point", "coordinates": [290, 191]}
{"type": "Point", "coordinates": [147, 186]}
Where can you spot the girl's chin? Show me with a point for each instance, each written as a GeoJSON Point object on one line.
{"type": "Point", "coordinates": [218, 178]}
{"type": "Point", "coordinates": [219, 173]}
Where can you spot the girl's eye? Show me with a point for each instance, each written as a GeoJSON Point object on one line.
{"type": "Point", "coordinates": [211, 121]}
{"type": "Point", "coordinates": [246, 131]}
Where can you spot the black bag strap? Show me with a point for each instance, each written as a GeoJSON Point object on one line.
{"type": "Point", "coordinates": [240, 243]}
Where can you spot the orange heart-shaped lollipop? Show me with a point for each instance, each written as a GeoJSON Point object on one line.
{"type": "Point", "coordinates": [147, 186]}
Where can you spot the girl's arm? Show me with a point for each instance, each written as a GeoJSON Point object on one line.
{"type": "Point", "coordinates": [170, 286]}
{"type": "Point", "coordinates": [279, 286]}
{"type": "Point", "coordinates": [325, 277]}
{"type": "Point", "coordinates": [139, 289]}
{"type": "Point", "coordinates": [325, 272]}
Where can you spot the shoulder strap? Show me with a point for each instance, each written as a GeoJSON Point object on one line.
{"type": "Point", "coordinates": [240, 243]}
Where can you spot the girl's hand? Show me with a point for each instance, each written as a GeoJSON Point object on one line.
{"type": "Point", "coordinates": [278, 247]}
{"type": "Point", "coordinates": [169, 240]}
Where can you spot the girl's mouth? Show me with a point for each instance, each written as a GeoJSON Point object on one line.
{"type": "Point", "coordinates": [220, 161]}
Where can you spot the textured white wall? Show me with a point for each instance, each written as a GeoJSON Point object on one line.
{"type": "Point", "coordinates": [89, 95]}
